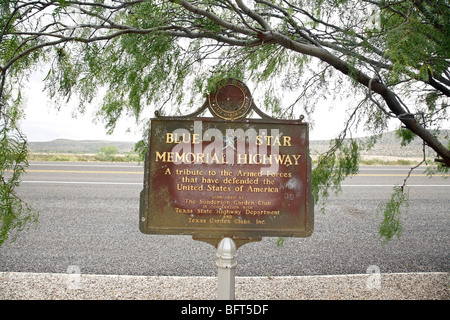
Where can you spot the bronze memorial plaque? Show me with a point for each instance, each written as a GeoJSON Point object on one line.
{"type": "Point", "coordinates": [228, 177]}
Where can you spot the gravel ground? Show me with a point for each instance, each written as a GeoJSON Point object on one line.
{"type": "Point", "coordinates": [51, 286]}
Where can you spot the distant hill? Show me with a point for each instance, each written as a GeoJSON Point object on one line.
{"type": "Point", "coordinates": [388, 145]}
{"type": "Point", "coordinates": [78, 146]}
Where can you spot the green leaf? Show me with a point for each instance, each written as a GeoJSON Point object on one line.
{"type": "Point", "coordinates": [392, 211]}
{"type": "Point", "coordinates": [405, 135]}
{"type": "Point", "coordinates": [15, 214]}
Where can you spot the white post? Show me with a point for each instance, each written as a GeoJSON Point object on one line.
{"type": "Point", "coordinates": [226, 263]}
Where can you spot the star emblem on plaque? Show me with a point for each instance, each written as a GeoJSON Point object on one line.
{"type": "Point", "coordinates": [231, 100]}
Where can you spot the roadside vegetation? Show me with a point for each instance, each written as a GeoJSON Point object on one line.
{"type": "Point", "coordinates": [131, 157]}
{"type": "Point", "coordinates": [82, 151]}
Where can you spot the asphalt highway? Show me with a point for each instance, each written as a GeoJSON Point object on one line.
{"type": "Point", "coordinates": [89, 212]}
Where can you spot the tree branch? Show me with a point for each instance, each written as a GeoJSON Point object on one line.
{"type": "Point", "coordinates": [253, 15]}
{"type": "Point", "coordinates": [388, 96]}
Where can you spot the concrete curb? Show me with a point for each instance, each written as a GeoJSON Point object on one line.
{"type": "Point", "coordinates": [51, 286]}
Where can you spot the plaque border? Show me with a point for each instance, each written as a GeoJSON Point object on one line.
{"type": "Point", "coordinates": [242, 235]}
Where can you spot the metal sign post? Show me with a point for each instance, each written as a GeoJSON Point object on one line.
{"type": "Point", "coordinates": [226, 263]}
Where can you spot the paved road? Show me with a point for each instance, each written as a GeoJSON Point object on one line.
{"type": "Point", "coordinates": [89, 219]}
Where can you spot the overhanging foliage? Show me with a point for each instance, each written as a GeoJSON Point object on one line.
{"type": "Point", "coordinates": [390, 57]}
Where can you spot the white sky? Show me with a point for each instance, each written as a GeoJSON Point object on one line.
{"type": "Point", "coordinates": [44, 123]}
